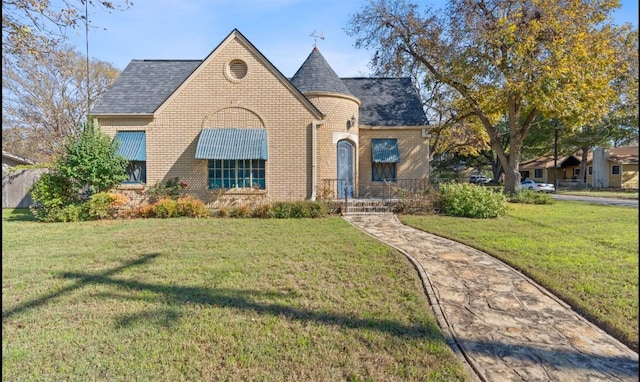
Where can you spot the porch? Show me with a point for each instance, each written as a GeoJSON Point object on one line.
{"type": "Point", "coordinates": [385, 197]}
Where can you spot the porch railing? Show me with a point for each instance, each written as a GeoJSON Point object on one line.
{"type": "Point", "coordinates": [400, 188]}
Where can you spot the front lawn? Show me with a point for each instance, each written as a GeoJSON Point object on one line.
{"type": "Point", "coordinates": [213, 299]}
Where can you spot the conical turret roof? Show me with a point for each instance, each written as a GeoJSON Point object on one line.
{"type": "Point", "coordinates": [315, 75]}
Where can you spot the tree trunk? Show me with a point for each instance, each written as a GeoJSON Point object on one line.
{"type": "Point", "coordinates": [512, 179]}
{"type": "Point", "coordinates": [583, 165]}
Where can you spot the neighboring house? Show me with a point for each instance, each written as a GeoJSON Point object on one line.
{"type": "Point", "coordinates": [232, 123]}
{"type": "Point", "coordinates": [17, 183]}
{"type": "Point", "coordinates": [541, 169]}
{"type": "Point", "coordinates": [613, 168]}
{"type": "Point", "coordinates": [606, 168]}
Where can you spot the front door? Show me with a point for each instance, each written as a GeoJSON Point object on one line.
{"type": "Point", "coordinates": [345, 169]}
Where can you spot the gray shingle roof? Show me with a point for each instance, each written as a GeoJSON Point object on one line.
{"type": "Point", "coordinates": [315, 75]}
{"type": "Point", "coordinates": [144, 85]}
{"type": "Point", "coordinates": [387, 101]}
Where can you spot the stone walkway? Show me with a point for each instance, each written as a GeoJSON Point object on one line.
{"type": "Point", "coordinates": [505, 326]}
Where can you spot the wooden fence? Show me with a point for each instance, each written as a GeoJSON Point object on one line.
{"type": "Point", "coordinates": [16, 186]}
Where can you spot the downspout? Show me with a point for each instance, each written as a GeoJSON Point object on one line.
{"type": "Point", "coordinates": [314, 158]}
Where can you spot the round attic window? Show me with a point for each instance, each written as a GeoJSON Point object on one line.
{"type": "Point", "coordinates": [236, 70]}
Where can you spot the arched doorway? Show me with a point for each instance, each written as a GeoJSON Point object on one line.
{"type": "Point", "coordinates": [345, 169]}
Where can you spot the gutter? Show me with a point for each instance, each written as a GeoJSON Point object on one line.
{"type": "Point", "coordinates": [314, 157]}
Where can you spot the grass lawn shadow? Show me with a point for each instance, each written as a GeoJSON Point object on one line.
{"type": "Point", "coordinates": [17, 215]}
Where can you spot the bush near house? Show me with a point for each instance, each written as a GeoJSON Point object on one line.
{"type": "Point", "coordinates": [531, 197]}
{"type": "Point", "coordinates": [88, 166]}
{"type": "Point", "coordinates": [471, 201]}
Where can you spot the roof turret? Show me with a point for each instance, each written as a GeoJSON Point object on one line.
{"type": "Point", "coordinates": [315, 75]}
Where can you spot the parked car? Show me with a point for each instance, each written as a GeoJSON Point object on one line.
{"type": "Point", "coordinates": [479, 179]}
{"type": "Point", "coordinates": [529, 184]}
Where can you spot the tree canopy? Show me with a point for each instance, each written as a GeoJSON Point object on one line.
{"type": "Point", "coordinates": [504, 59]}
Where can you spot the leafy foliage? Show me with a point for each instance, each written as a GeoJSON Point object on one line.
{"type": "Point", "coordinates": [91, 162]}
{"type": "Point", "coordinates": [51, 193]}
{"type": "Point", "coordinates": [104, 205]}
{"type": "Point", "coordinates": [166, 207]}
{"type": "Point", "coordinates": [303, 209]}
{"type": "Point", "coordinates": [531, 197]}
{"type": "Point", "coordinates": [503, 59]}
{"type": "Point", "coordinates": [88, 166]}
{"type": "Point", "coordinates": [168, 189]}
{"type": "Point", "coordinates": [471, 201]}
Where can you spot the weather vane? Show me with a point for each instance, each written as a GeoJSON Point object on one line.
{"type": "Point", "coordinates": [316, 37]}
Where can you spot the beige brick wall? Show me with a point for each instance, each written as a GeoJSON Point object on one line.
{"type": "Point", "coordinates": [337, 111]}
{"type": "Point", "coordinates": [414, 153]}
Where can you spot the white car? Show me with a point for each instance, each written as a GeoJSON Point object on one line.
{"type": "Point", "coordinates": [479, 179]}
{"type": "Point", "coordinates": [529, 184]}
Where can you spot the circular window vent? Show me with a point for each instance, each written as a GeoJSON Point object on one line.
{"type": "Point", "coordinates": [236, 70]}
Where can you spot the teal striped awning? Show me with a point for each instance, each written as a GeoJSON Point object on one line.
{"type": "Point", "coordinates": [385, 151]}
{"type": "Point", "coordinates": [132, 145]}
{"type": "Point", "coordinates": [232, 144]}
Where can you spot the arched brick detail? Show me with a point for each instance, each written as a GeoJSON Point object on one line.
{"type": "Point", "coordinates": [233, 117]}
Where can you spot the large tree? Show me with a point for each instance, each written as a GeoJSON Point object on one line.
{"type": "Point", "coordinates": [46, 98]}
{"type": "Point", "coordinates": [519, 59]}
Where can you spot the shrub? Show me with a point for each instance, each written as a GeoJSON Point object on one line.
{"type": "Point", "coordinates": [277, 210]}
{"type": "Point", "coordinates": [280, 210]}
{"type": "Point", "coordinates": [297, 210]}
{"type": "Point", "coordinates": [165, 208]}
{"type": "Point", "coordinates": [261, 211]}
{"type": "Point", "coordinates": [104, 205]}
{"type": "Point", "coordinates": [50, 193]}
{"type": "Point", "coordinates": [192, 207]}
{"type": "Point", "coordinates": [88, 165]}
{"type": "Point", "coordinates": [243, 211]}
{"type": "Point", "coordinates": [145, 211]}
{"type": "Point", "coordinates": [73, 213]}
{"type": "Point", "coordinates": [470, 200]}
{"type": "Point", "coordinates": [169, 189]}
{"type": "Point", "coordinates": [314, 209]}
{"type": "Point", "coordinates": [531, 197]}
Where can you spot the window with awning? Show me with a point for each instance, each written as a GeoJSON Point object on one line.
{"type": "Point", "coordinates": [236, 157]}
{"type": "Point", "coordinates": [232, 144]}
{"type": "Point", "coordinates": [132, 145]}
{"type": "Point", "coordinates": [384, 156]}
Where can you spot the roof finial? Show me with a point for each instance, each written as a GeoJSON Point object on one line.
{"type": "Point", "coordinates": [316, 37]}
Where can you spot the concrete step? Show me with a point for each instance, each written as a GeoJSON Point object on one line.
{"type": "Point", "coordinates": [366, 207]}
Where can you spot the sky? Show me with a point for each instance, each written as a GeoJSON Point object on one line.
{"type": "Point", "coordinates": [280, 29]}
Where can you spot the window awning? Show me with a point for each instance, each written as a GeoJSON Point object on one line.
{"type": "Point", "coordinates": [385, 151]}
{"type": "Point", "coordinates": [232, 144]}
{"type": "Point", "coordinates": [132, 145]}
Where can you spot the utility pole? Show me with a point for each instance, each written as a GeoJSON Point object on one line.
{"type": "Point", "coordinates": [555, 156]}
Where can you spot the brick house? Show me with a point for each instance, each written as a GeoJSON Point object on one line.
{"type": "Point", "coordinates": [233, 123]}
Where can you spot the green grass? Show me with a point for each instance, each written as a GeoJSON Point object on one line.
{"type": "Point", "coordinates": [617, 194]}
{"type": "Point", "coordinates": [583, 253]}
{"type": "Point", "coordinates": [213, 299]}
